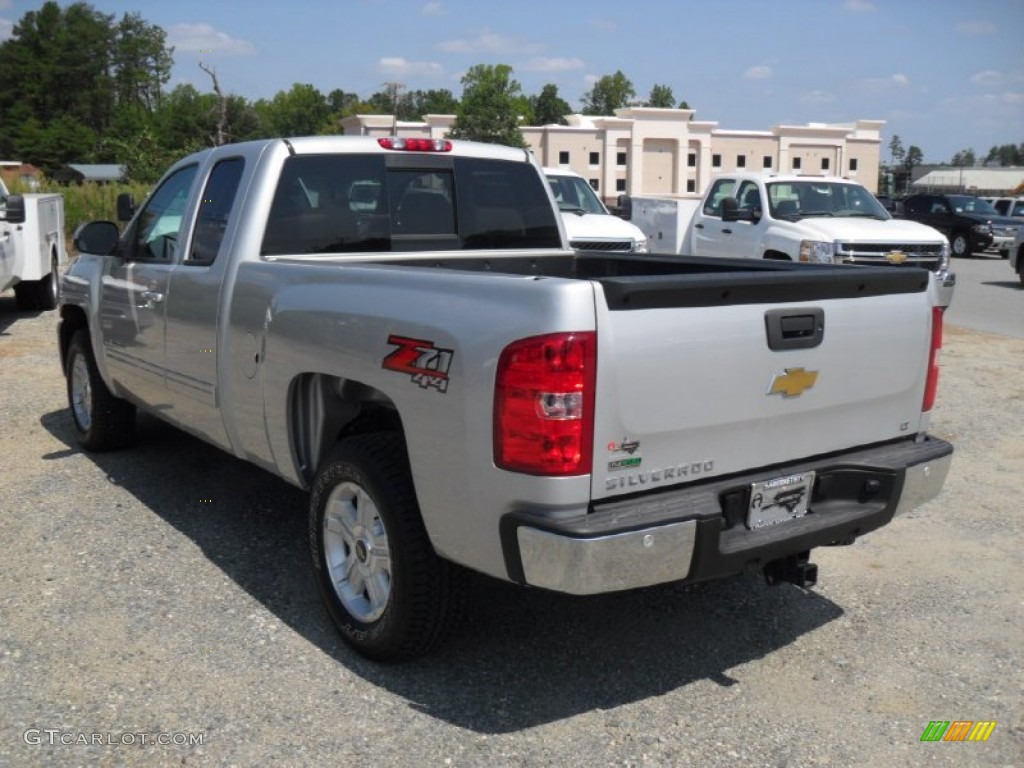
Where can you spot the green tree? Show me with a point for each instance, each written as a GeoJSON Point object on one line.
{"type": "Point", "coordinates": [896, 151]}
{"type": "Point", "coordinates": [490, 106]}
{"type": "Point", "coordinates": [609, 93]}
{"type": "Point", "coordinates": [141, 63]}
{"type": "Point", "coordinates": [661, 96]}
{"type": "Point", "coordinates": [300, 111]}
{"type": "Point", "coordinates": [913, 158]}
{"type": "Point", "coordinates": [965, 157]}
{"type": "Point", "coordinates": [1005, 155]}
{"type": "Point", "coordinates": [549, 108]}
{"type": "Point", "coordinates": [438, 101]}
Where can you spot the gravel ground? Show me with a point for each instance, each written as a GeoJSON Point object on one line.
{"type": "Point", "coordinates": [166, 590]}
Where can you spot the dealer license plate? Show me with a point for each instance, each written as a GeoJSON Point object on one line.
{"type": "Point", "coordinates": [778, 500]}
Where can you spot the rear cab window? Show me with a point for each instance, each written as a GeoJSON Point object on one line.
{"type": "Point", "coordinates": [352, 203]}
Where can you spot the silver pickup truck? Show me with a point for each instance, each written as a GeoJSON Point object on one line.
{"type": "Point", "coordinates": [400, 327]}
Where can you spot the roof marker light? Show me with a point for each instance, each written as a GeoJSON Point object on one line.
{"type": "Point", "coordinates": [415, 145]}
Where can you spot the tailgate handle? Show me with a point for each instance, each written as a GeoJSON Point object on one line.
{"type": "Point", "coordinates": [794, 328]}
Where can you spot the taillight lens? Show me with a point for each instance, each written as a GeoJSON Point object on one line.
{"type": "Point", "coordinates": [544, 404]}
{"type": "Point", "coordinates": [932, 384]}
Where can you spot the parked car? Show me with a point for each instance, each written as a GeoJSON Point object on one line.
{"type": "Point", "coordinates": [970, 223]}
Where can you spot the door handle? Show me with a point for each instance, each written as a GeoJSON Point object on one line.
{"type": "Point", "coordinates": [698, 226]}
{"type": "Point", "coordinates": [152, 298]}
{"type": "Point", "coordinates": [726, 231]}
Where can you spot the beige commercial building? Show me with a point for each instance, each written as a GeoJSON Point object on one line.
{"type": "Point", "coordinates": [649, 151]}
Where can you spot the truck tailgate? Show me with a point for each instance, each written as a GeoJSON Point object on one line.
{"type": "Point", "coordinates": [723, 373]}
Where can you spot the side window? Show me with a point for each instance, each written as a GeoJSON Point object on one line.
{"type": "Point", "coordinates": [748, 197]}
{"type": "Point", "coordinates": [155, 235]}
{"type": "Point", "coordinates": [214, 209]}
{"type": "Point", "coordinates": [722, 188]}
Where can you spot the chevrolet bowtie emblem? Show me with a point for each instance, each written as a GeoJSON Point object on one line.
{"type": "Point", "coordinates": [793, 382]}
{"type": "Point", "coordinates": [896, 257]}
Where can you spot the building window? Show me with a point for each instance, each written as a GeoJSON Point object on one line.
{"type": "Point", "coordinates": [595, 158]}
{"type": "Point", "coordinates": [796, 163]}
{"type": "Point", "coordinates": [691, 160]}
{"type": "Point", "coordinates": [620, 159]}
{"type": "Point", "coordinates": [620, 185]}
{"type": "Point", "coordinates": [824, 163]}
{"type": "Point", "coordinates": [595, 184]}
{"type": "Point", "coordinates": [716, 161]}
{"type": "Point", "coordinates": [853, 163]}
{"type": "Point", "coordinates": [563, 157]}
{"type": "Point", "coordinates": [741, 161]}
{"type": "Point", "coordinates": [766, 161]}
{"type": "Point", "coordinates": [691, 185]}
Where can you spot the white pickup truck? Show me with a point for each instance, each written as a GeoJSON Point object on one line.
{"type": "Point", "coordinates": [820, 219]}
{"type": "Point", "coordinates": [457, 388]}
{"type": "Point", "coordinates": [588, 223]}
{"type": "Point", "coordinates": [31, 247]}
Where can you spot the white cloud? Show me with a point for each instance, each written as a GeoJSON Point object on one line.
{"type": "Point", "coordinates": [977, 27]}
{"type": "Point", "coordinates": [899, 80]}
{"type": "Point", "coordinates": [759, 72]}
{"type": "Point", "coordinates": [433, 9]}
{"type": "Point", "coordinates": [818, 97]}
{"type": "Point", "coordinates": [988, 77]}
{"type": "Point", "coordinates": [487, 41]}
{"type": "Point", "coordinates": [203, 38]}
{"type": "Point", "coordinates": [6, 29]}
{"type": "Point", "coordinates": [399, 67]}
{"type": "Point", "coordinates": [1008, 97]}
{"type": "Point", "coordinates": [5, 4]}
{"type": "Point", "coordinates": [859, 6]}
{"type": "Point", "coordinates": [544, 64]}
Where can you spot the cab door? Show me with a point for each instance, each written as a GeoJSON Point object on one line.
{"type": "Point", "coordinates": [134, 289]}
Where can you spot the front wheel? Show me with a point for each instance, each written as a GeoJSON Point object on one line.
{"type": "Point", "coordinates": [101, 420]}
{"type": "Point", "coordinates": [960, 244]}
{"type": "Point", "coordinates": [390, 595]}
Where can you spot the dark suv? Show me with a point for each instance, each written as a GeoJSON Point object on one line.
{"type": "Point", "coordinates": [970, 223]}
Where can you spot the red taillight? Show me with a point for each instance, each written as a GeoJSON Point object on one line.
{"type": "Point", "coordinates": [415, 145]}
{"type": "Point", "coordinates": [932, 384]}
{"type": "Point", "coordinates": [544, 404]}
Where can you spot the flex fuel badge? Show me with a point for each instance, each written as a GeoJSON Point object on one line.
{"type": "Point", "coordinates": [628, 447]}
{"type": "Point", "coordinates": [426, 364]}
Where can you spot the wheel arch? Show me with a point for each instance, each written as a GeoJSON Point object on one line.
{"type": "Point", "coordinates": [324, 409]}
{"type": "Point", "coordinates": [773, 255]}
{"type": "Point", "coordinates": [72, 319]}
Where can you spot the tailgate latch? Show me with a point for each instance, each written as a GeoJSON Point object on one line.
{"type": "Point", "coordinates": [794, 328]}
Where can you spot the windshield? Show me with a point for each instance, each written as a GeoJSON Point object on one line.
{"type": "Point", "coordinates": [575, 194]}
{"type": "Point", "coordinates": [968, 204]}
{"type": "Point", "coordinates": [797, 199]}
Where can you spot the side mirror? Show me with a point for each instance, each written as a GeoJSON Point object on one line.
{"type": "Point", "coordinates": [731, 211]}
{"type": "Point", "coordinates": [99, 237]}
{"type": "Point", "coordinates": [125, 206]}
{"type": "Point", "coordinates": [14, 209]}
{"type": "Point", "coordinates": [626, 207]}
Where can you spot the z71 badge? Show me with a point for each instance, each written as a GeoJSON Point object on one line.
{"type": "Point", "coordinates": [425, 363]}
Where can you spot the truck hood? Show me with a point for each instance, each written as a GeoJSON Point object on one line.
{"type": "Point", "coordinates": [868, 230]}
{"type": "Point", "coordinates": [594, 226]}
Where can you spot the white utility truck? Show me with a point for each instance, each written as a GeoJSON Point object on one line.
{"type": "Point", "coordinates": [588, 224]}
{"type": "Point", "coordinates": [31, 247]}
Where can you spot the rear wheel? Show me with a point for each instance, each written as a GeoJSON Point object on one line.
{"type": "Point", "coordinates": [101, 420]}
{"type": "Point", "coordinates": [39, 294]}
{"type": "Point", "coordinates": [960, 244]}
{"type": "Point", "coordinates": [390, 595]}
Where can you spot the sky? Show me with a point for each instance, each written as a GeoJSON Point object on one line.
{"type": "Point", "coordinates": [945, 75]}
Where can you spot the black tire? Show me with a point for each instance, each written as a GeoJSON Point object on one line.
{"type": "Point", "coordinates": [376, 543]}
{"type": "Point", "coordinates": [101, 420]}
{"type": "Point", "coordinates": [960, 244]}
{"type": "Point", "coordinates": [39, 294]}
{"type": "Point", "coordinates": [1004, 254]}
